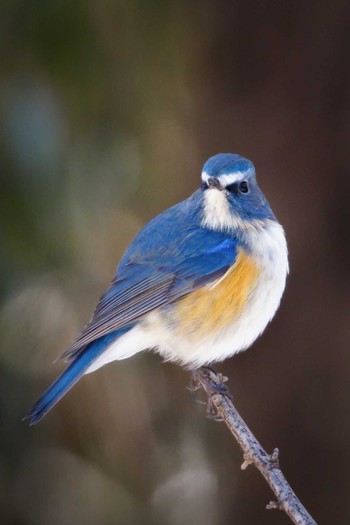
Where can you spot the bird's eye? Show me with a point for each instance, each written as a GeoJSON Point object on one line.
{"type": "Point", "coordinates": [204, 186]}
{"type": "Point", "coordinates": [243, 186]}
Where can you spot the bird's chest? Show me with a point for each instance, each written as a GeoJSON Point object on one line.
{"type": "Point", "coordinates": [212, 308]}
{"type": "Point", "coordinates": [219, 320]}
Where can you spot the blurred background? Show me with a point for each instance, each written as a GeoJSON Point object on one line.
{"type": "Point", "coordinates": [108, 110]}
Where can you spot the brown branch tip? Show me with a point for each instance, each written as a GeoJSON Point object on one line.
{"type": "Point", "coordinates": [221, 408]}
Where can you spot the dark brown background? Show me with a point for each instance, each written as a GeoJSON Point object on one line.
{"type": "Point", "coordinates": [108, 111]}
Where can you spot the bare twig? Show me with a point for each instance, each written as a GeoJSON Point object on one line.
{"type": "Point", "coordinates": [221, 407]}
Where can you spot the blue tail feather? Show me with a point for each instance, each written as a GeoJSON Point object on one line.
{"type": "Point", "coordinates": [69, 377]}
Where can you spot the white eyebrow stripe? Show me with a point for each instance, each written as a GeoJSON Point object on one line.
{"type": "Point", "coordinates": [231, 178]}
{"type": "Point", "coordinates": [227, 179]}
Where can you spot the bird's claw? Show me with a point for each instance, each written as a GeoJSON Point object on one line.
{"type": "Point", "coordinates": [217, 381]}
{"type": "Point", "coordinates": [212, 412]}
{"type": "Point", "coordinates": [217, 386]}
{"type": "Point", "coordinates": [193, 387]}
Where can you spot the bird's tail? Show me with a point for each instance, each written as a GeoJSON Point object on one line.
{"type": "Point", "coordinates": [68, 378]}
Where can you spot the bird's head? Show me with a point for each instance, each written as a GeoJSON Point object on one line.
{"type": "Point", "coordinates": [231, 195]}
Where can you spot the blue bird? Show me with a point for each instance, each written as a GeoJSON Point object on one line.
{"type": "Point", "coordinates": [198, 284]}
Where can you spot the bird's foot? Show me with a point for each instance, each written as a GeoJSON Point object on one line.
{"type": "Point", "coordinates": [212, 411]}
{"type": "Point", "coordinates": [217, 382]}
{"type": "Point", "coordinates": [193, 387]}
{"type": "Point", "coordinates": [213, 383]}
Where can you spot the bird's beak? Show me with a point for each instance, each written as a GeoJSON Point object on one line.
{"type": "Point", "coordinates": [214, 183]}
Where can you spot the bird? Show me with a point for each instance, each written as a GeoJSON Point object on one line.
{"type": "Point", "coordinates": [198, 284]}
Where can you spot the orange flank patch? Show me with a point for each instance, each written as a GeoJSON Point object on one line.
{"type": "Point", "coordinates": [211, 308]}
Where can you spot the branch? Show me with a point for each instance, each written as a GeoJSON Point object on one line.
{"type": "Point", "coordinates": [219, 399]}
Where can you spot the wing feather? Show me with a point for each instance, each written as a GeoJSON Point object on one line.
{"type": "Point", "coordinates": [110, 315]}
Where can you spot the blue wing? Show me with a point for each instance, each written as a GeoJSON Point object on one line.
{"type": "Point", "coordinates": [172, 256]}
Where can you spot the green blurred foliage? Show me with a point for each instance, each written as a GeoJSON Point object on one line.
{"type": "Point", "coordinates": [108, 111]}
